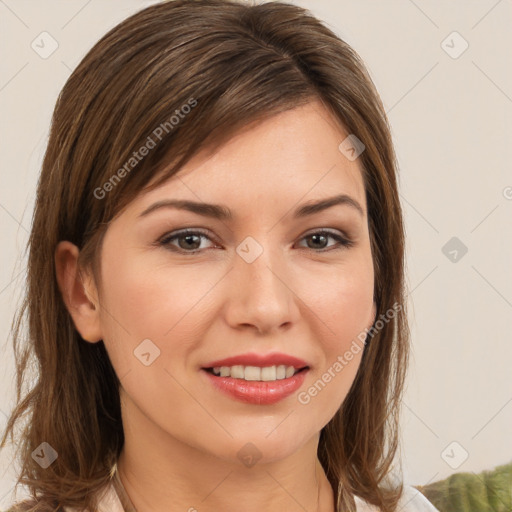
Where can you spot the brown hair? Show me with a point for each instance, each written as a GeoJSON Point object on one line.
{"type": "Point", "coordinates": [232, 63]}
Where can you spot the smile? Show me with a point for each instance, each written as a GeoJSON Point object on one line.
{"type": "Point", "coordinates": [255, 373]}
{"type": "Point", "coordinates": [250, 385]}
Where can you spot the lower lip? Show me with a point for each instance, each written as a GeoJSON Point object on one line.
{"type": "Point", "coordinates": [257, 392]}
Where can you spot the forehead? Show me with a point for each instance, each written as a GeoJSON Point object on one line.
{"type": "Point", "coordinates": [291, 156]}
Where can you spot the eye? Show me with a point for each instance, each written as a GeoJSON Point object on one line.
{"type": "Point", "coordinates": [189, 241]}
{"type": "Point", "coordinates": [321, 237]}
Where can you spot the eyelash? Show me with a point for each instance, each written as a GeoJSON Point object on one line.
{"type": "Point", "coordinates": [164, 241]}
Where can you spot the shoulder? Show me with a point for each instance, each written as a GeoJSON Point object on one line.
{"type": "Point", "coordinates": [34, 506]}
{"type": "Point", "coordinates": [411, 500]}
{"type": "Point", "coordinates": [108, 502]}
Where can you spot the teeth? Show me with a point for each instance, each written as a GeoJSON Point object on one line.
{"type": "Point", "coordinates": [267, 373]}
{"type": "Point", "coordinates": [237, 372]}
{"type": "Point", "coordinates": [252, 373]}
{"type": "Point", "coordinates": [290, 370]}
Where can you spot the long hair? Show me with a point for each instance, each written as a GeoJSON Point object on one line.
{"type": "Point", "coordinates": [225, 63]}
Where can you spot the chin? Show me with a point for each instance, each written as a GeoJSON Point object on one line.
{"type": "Point", "coordinates": [262, 448]}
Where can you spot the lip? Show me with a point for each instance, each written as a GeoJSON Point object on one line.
{"type": "Point", "coordinates": [261, 360]}
{"type": "Point", "coordinates": [256, 392]}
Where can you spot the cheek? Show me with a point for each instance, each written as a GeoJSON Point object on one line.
{"type": "Point", "coordinates": [342, 299]}
{"type": "Point", "coordinates": [161, 303]}
{"type": "Point", "coordinates": [354, 304]}
{"type": "Point", "coordinates": [343, 310]}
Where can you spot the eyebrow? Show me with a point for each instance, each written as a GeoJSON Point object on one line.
{"type": "Point", "coordinates": [220, 212]}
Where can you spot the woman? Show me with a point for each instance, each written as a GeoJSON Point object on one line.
{"type": "Point", "coordinates": [215, 282]}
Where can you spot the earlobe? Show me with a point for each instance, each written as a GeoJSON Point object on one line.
{"type": "Point", "coordinates": [79, 294]}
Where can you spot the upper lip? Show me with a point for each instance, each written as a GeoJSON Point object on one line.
{"type": "Point", "coordinates": [261, 360]}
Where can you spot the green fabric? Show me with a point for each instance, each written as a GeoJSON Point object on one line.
{"type": "Point", "coordinates": [488, 491]}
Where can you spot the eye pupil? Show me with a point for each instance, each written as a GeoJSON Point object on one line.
{"type": "Point", "coordinates": [188, 238]}
{"type": "Point", "coordinates": [317, 237]}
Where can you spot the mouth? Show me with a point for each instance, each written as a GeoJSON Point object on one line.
{"type": "Point", "coordinates": [256, 373]}
{"type": "Point", "coordinates": [254, 384]}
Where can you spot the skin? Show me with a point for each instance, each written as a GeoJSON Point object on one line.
{"type": "Point", "coordinates": [304, 297]}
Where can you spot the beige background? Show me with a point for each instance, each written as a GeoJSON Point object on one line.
{"type": "Point", "coordinates": [452, 125]}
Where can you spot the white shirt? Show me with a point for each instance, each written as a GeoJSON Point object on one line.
{"type": "Point", "coordinates": [411, 501]}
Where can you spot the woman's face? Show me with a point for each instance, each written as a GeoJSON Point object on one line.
{"type": "Point", "coordinates": [264, 280]}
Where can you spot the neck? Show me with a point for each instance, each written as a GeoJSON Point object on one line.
{"type": "Point", "coordinates": [161, 474]}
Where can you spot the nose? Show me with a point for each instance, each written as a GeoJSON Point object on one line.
{"type": "Point", "coordinates": [261, 294]}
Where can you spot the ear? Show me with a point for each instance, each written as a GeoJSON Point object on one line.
{"type": "Point", "coordinates": [79, 297]}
